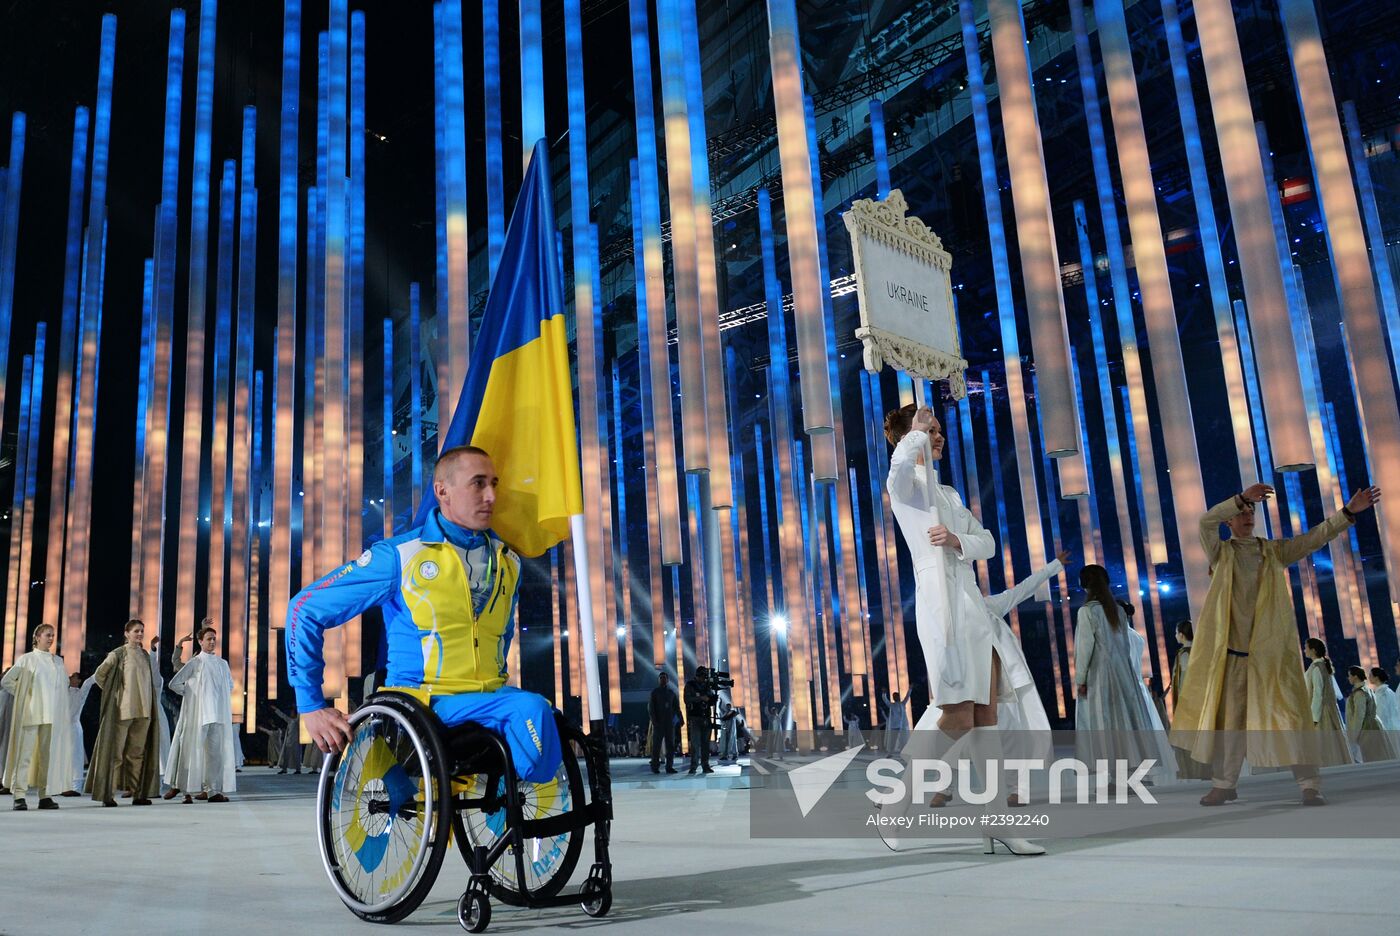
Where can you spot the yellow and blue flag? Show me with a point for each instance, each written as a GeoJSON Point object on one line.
{"type": "Point", "coordinates": [517, 402]}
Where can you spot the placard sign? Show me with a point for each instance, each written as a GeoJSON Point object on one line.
{"type": "Point", "coordinates": [903, 279]}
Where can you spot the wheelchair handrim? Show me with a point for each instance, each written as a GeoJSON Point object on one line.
{"type": "Point", "coordinates": [330, 772]}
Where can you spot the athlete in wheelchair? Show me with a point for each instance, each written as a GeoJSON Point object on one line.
{"type": "Point", "coordinates": [447, 748]}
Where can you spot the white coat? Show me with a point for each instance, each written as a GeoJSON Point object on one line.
{"type": "Point", "coordinates": [956, 632]}
{"type": "Point", "coordinates": [204, 734]}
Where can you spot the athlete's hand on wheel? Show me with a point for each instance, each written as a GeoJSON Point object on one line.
{"type": "Point", "coordinates": [1364, 499]}
{"type": "Point", "coordinates": [329, 729]}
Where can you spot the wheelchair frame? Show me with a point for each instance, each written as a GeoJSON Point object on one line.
{"type": "Point", "coordinates": [454, 753]}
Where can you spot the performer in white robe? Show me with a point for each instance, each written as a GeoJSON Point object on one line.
{"type": "Point", "coordinates": [958, 636]}
{"type": "Point", "coordinates": [203, 754]}
{"type": "Point", "coordinates": [39, 751]}
{"type": "Point", "coordinates": [78, 690]}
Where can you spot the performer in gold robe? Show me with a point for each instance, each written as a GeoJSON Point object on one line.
{"type": "Point", "coordinates": [1244, 674]}
{"type": "Point", "coordinates": [126, 755]}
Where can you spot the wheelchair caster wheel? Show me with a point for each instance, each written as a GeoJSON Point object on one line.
{"type": "Point", "coordinates": [597, 897]}
{"type": "Point", "coordinates": [474, 912]}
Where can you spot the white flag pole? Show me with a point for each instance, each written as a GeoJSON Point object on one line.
{"type": "Point", "coordinates": [584, 590]}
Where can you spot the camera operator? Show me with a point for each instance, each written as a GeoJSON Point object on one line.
{"type": "Point", "coordinates": [699, 698]}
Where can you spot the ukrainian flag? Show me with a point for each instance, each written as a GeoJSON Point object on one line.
{"type": "Point", "coordinates": [517, 402]}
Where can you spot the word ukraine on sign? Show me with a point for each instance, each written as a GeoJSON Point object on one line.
{"type": "Point", "coordinates": [903, 281]}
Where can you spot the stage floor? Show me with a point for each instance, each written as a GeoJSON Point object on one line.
{"type": "Point", "coordinates": [684, 863]}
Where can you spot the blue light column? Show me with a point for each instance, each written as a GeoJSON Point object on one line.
{"type": "Point", "coordinates": [1210, 242]}
{"type": "Point", "coordinates": [625, 639]}
{"type": "Point", "coordinates": [441, 287]}
{"type": "Point", "coordinates": [1006, 307]}
{"type": "Point", "coordinates": [591, 451]}
{"type": "Point", "coordinates": [1104, 381]}
{"type": "Point", "coordinates": [415, 396]}
{"type": "Point", "coordinates": [887, 560]}
{"type": "Point", "coordinates": [769, 569]}
{"type": "Point", "coordinates": [355, 396]}
{"type": "Point", "coordinates": [495, 168]}
{"type": "Point", "coordinates": [386, 503]}
{"type": "Point", "coordinates": [532, 126]}
{"type": "Point", "coordinates": [785, 503]}
{"type": "Point", "coordinates": [75, 579]}
{"type": "Point", "coordinates": [1256, 407]}
{"type": "Point", "coordinates": [881, 147]}
{"type": "Point", "coordinates": [279, 567]}
{"type": "Point", "coordinates": [31, 474]}
{"type": "Point", "coordinates": [1121, 295]}
{"type": "Point", "coordinates": [218, 448]}
{"type": "Point", "coordinates": [1059, 628]}
{"type": "Point", "coordinates": [455, 351]}
{"type": "Point", "coordinates": [187, 597]}
{"type": "Point", "coordinates": [153, 539]}
{"type": "Point", "coordinates": [16, 630]}
{"type": "Point", "coordinates": [9, 244]}
{"type": "Point", "coordinates": [653, 349]}
{"type": "Point", "coordinates": [64, 395]}
{"type": "Point", "coordinates": [240, 561]}
{"type": "Point", "coordinates": [645, 388]}
{"type": "Point", "coordinates": [143, 404]}
{"type": "Point", "coordinates": [1375, 232]}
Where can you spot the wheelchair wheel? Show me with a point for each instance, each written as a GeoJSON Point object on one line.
{"type": "Point", "coordinates": [383, 809]}
{"type": "Point", "coordinates": [549, 861]}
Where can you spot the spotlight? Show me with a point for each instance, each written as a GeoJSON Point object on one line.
{"type": "Point", "coordinates": [621, 632]}
{"type": "Point", "coordinates": [778, 623]}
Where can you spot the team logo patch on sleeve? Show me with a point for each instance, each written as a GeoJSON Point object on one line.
{"type": "Point", "coordinates": [429, 570]}
{"type": "Point", "coordinates": [365, 558]}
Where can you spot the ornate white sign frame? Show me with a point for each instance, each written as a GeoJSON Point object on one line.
{"type": "Point", "coordinates": [888, 224]}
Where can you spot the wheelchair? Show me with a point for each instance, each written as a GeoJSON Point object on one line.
{"type": "Point", "coordinates": [404, 785]}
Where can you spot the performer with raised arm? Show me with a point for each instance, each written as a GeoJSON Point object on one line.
{"type": "Point", "coordinates": [1244, 673]}
{"type": "Point", "coordinates": [958, 635]}
{"type": "Point", "coordinates": [203, 755]}
{"type": "Point", "coordinates": [448, 591]}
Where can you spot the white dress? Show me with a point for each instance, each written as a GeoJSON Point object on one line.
{"type": "Point", "coordinates": [203, 753]}
{"type": "Point", "coordinates": [1388, 711]}
{"type": "Point", "coordinates": [956, 632]}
